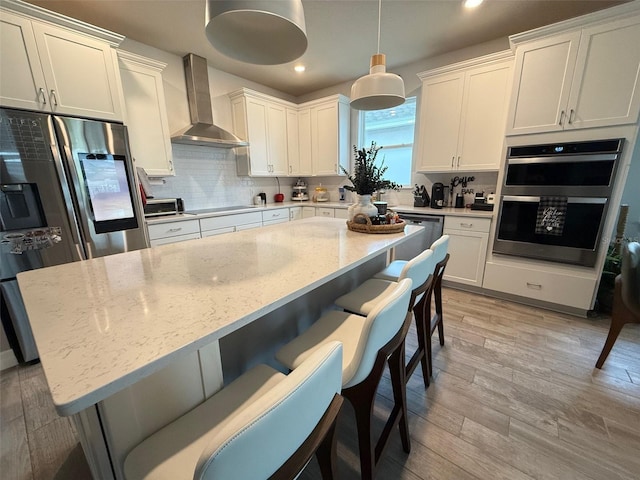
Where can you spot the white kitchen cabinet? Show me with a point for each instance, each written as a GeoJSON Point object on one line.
{"type": "Point", "coordinates": [308, 212]}
{"type": "Point", "coordinates": [146, 113]}
{"type": "Point", "coordinates": [325, 212]}
{"type": "Point", "coordinates": [468, 239]}
{"type": "Point", "coordinates": [462, 115]}
{"type": "Point", "coordinates": [278, 215]}
{"type": "Point", "coordinates": [48, 68]}
{"type": "Point", "coordinates": [325, 136]}
{"type": "Point", "coordinates": [262, 121]}
{"type": "Point", "coordinates": [210, 226]}
{"type": "Point", "coordinates": [298, 164]}
{"type": "Point", "coordinates": [173, 232]}
{"type": "Point", "coordinates": [581, 78]}
{"type": "Point", "coordinates": [295, 213]}
{"type": "Point", "coordinates": [540, 283]}
{"type": "Point", "coordinates": [341, 213]}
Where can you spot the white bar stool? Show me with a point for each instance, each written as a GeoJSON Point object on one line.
{"type": "Point", "coordinates": [440, 259]}
{"type": "Point", "coordinates": [369, 343]}
{"type": "Point", "coordinates": [262, 425]}
{"type": "Point", "coordinates": [420, 269]}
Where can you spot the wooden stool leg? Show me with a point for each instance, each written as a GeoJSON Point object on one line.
{"type": "Point", "coordinates": [614, 331]}
{"type": "Point", "coordinates": [422, 330]}
{"type": "Point", "coordinates": [398, 384]}
{"type": "Point", "coordinates": [362, 397]}
{"type": "Point", "coordinates": [326, 455]}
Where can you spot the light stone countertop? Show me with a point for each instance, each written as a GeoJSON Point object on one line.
{"type": "Point", "coordinates": [447, 211]}
{"type": "Point", "coordinates": [103, 324]}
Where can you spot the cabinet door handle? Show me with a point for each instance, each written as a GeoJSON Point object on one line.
{"type": "Point", "coordinates": [466, 225]}
{"type": "Point", "coordinates": [453, 160]}
{"type": "Point", "coordinates": [561, 117]}
{"type": "Point", "coordinates": [458, 165]}
{"type": "Point", "coordinates": [534, 286]}
{"type": "Point", "coordinates": [43, 96]}
{"type": "Point", "coordinates": [290, 169]}
{"type": "Point", "coordinates": [175, 229]}
{"type": "Point", "coordinates": [571, 117]}
{"type": "Point", "coordinates": [54, 98]}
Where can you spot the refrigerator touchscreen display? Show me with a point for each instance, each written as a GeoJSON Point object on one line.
{"type": "Point", "coordinates": [106, 183]}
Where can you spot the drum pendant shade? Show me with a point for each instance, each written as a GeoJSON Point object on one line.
{"type": "Point", "coordinates": [256, 31]}
{"type": "Point", "coordinates": [379, 89]}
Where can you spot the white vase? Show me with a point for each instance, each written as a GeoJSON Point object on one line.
{"type": "Point", "coordinates": [363, 205]}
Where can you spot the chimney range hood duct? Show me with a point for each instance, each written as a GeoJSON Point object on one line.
{"type": "Point", "coordinates": [202, 131]}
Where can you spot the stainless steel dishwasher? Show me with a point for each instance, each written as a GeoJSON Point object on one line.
{"type": "Point", "coordinates": [433, 225]}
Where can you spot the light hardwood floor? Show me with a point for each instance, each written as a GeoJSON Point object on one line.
{"type": "Point", "coordinates": [515, 395]}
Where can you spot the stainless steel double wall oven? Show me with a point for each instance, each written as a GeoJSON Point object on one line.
{"type": "Point", "coordinates": [554, 200]}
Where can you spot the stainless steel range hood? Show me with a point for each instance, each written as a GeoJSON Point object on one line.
{"type": "Point", "coordinates": [202, 131]}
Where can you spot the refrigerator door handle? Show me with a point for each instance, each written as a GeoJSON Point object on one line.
{"type": "Point", "coordinates": [68, 201]}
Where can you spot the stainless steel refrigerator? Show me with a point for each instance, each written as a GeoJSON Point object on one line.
{"type": "Point", "coordinates": [68, 192]}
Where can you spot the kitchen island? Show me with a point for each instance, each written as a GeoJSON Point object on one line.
{"type": "Point", "coordinates": [130, 341]}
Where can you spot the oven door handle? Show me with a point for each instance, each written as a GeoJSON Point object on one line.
{"type": "Point", "coordinates": [531, 199]}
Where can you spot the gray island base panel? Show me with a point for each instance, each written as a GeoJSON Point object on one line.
{"type": "Point", "coordinates": [130, 341]}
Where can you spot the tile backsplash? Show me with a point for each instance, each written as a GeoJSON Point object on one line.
{"type": "Point", "coordinates": [206, 177]}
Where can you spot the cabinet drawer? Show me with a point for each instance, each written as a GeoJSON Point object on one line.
{"type": "Point", "coordinates": [560, 288]}
{"type": "Point", "coordinates": [472, 224]}
{"type": "Point", "coordinates": [213, 223]}
{"type": "Point", "coordinates": [174, 239]}
{"type": "Point", "coordinates": [272, 215]}
{"type": "Point", "coordinates": [325, 212]}
{"type": "Point", "coordinates": [341, 213]}
{"type": "Point", "coordinates": [173, 229]}
{"type": "Point", "coordinates": [217, 231]}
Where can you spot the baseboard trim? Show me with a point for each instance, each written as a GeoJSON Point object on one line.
{"type": "Point", "coordinates": [7, 359]}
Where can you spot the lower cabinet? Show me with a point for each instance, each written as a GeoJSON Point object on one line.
{"type": "Point", "coordinates": [230, 223]}
{"type": "Point", "coordinates": [325, 212]}
{"type": "Point", "coordinates": [173, 232]}
{"type": "Point", "coordinates": [271, 217]}
{"type": "Point", "coordinates": [341, 213]}
{"type": "Point", "coordinates": [561, 288]}
{"type": "Point", "coordinates": [295, 213]}
{"type": "Point", "coordinates": [308, 212]}
{"type": "Point", "coordinates": [468, 239]}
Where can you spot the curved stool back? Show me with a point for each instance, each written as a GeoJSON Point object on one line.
{"type": "Point", "coordinates": [441, 256]}
{"type": "Point", "coordinates": [273, 435]}
{"type": "Point", "coordinates": [384, 321]}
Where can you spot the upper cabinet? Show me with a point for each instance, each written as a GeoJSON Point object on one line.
{"type": "Point", "coordinates": [462, 115]}
{"type": "Point", "coordinates": [287, 139]}
{"type": "Point", "coordinates": [578, 74]}
{"type": "Point", "coordinates": [262, 121]}
{"type": "Point", "coordinates": [327, 130]}
{"type": "Point", "coordinates": [57, 69]}
{"type": "Point", "coordinates": [146, 113]}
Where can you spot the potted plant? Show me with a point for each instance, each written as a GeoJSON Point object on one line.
{"type": "Point", "coordinates": [367, 178]}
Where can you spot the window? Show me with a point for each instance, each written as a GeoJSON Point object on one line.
{"type": "Point", "coordinates": [393, 130]}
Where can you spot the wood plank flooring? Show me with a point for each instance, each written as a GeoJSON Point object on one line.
{"type": "Point", "coordinates": [515, 396]}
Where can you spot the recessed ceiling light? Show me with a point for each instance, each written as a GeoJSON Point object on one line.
{"type": "Point", "coordinates": [299, 68]}
{"type": "Point", "coordinates": [472, 3]}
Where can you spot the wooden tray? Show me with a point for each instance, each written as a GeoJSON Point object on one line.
{"type": "Point", "coordinates": [371, 228]}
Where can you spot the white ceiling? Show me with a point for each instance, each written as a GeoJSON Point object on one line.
{"type": "Point", "coordinates": [342, 33]}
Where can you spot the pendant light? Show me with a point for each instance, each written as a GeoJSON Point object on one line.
{"type": "Point", "coordinates": [379, 89]}
{"type": "Point", "coordinates": [256, 31]}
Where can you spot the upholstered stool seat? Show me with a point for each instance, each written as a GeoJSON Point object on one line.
{"type": "Point", "coordinates": [247, 430]}
{"type": "Point", "coordinates": [369, 343]}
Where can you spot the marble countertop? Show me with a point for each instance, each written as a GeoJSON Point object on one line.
{"type": "Point", "coordinates": [446, 211]}
{"type": "Point", "coordinates": [103, 324]}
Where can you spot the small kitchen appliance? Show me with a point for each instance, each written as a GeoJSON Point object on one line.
{"type": "Point", "coordinates": [437, 195]}
{"type": "Point", "coordinates": [321, 194]}
{"type": "Point", "coordinates": [155, 207]}
{"type": "Point", "coordinates": [300, 191]}
{"type": "Point", "coordinates": [420, 197]}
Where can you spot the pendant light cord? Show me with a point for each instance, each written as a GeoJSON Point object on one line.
{"type": "Point", "coordinates": [379, 15]}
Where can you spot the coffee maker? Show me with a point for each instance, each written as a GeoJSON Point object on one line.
{"type": "Point", "coordinates": [437, 195]}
